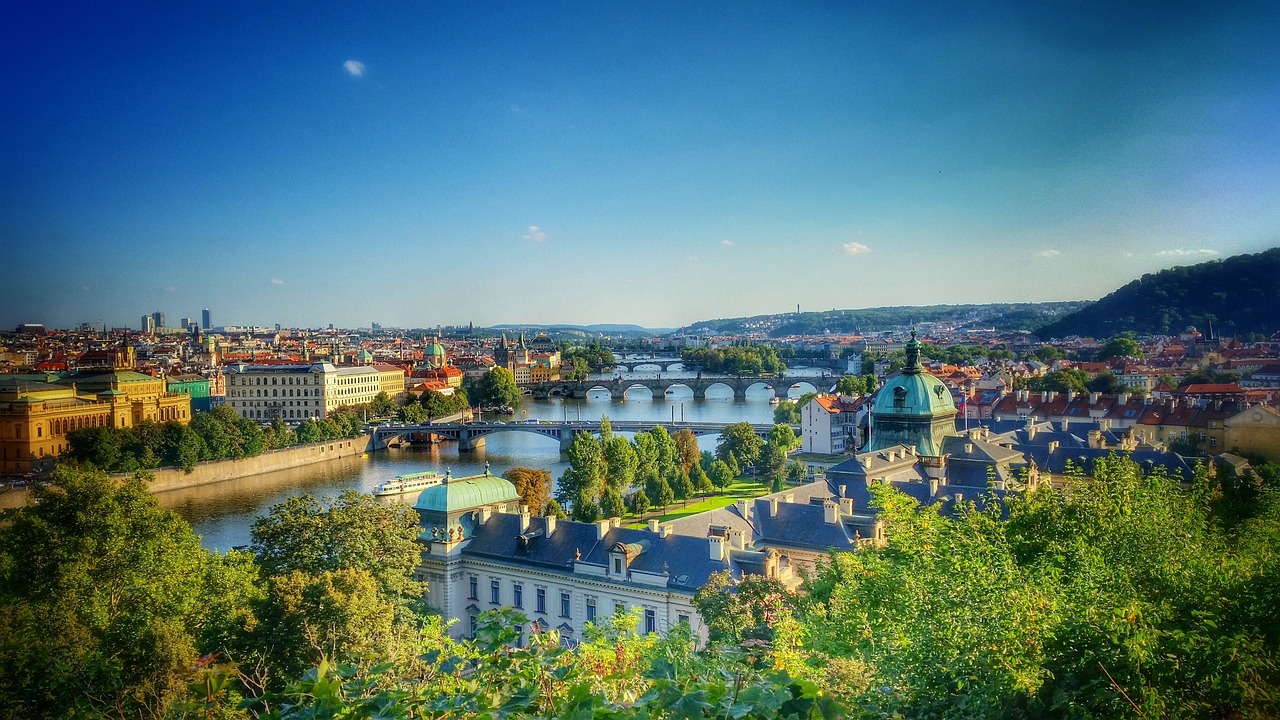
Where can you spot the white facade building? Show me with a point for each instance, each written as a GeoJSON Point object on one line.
{"type": "Point", "coordinates": [829, 424]}
{"type": "Point", "coordinates": [298, 392]}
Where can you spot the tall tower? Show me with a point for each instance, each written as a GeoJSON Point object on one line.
{"type": "Point", "coordinates": [158, 318]}
{"type": "Point", "coordinates": [204, 319]}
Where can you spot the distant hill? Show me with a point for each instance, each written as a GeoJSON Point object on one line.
{"type": "Point", "coordinates": [600, 328]}
{"type": "Point", "coordinates": [1241, 294]}
{"type": "Point", "coordinates": [1001, 316]}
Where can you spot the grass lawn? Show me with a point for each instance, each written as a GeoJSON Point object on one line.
{"type": "Point", "coordinates": [741, 489]}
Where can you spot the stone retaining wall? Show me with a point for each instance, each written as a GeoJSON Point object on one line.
{"type": "Point", "coordinates": [217, 471]}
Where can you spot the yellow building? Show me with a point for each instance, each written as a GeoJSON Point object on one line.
{"type": "Point", "coordinates": [35, 417]}
{"type": "Point", "coordinates": [1254, 430]}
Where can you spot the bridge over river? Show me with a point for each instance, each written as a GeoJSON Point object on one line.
{"type": "Point", "coordinates": [659, 386]}
{"type": "Point", "coordinates": [470, 436]}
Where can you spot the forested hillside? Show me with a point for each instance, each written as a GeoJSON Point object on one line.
{"type": "Point", "coordinates": [1240, 295]}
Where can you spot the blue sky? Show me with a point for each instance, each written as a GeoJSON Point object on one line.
{"type": "Point", "coordinates": [654, 163]}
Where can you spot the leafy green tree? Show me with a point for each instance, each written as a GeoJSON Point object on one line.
{"type": "Point", "coordinates": [639, 502]}
{"type": "Point", "coordinates": [795, 473]}
{"type": "Point", "coordinates": [747, 609]}
{"type": "Point", "coordinates": [103, 596]}
{"type": "Point", "coordinates": [621, 463]}
{"type": "Point", "coordinates": [701, 481]}
{"type": "Point", "coordinates": [668, 452]}
{"type": "Point", "coordinates": [660, 491]}
{"type": "Point", "coordinates": [352, 531]}
{"type": "Point", "coordinates": [646, 458]}
{"type": "Point", "coordinates": [741, 441]}
{"type": "Point", "coordinates": [583, 482]}
{"type": "Point", "coordinates": [182, 446]}
{"type": "Point", "coordinates": [533, 485]}
{"type": "Point", "coordinates": [408, 413]}
{"type": "Point", "coordinates": [1106, 382]}
{"type": "Point", "coordinates": [1062, 381]}
{"type": "Point", "coordinates": [382, 405]}
{"type": "Point", "coordinates": [497, 388]}
{"type": "Point", "coordinates": [1121, 346]}
{"type": "Point", "coordinates": [851, 385]}
{"type": "Point", "coordinates": [787, 411]}
{"type": "Point", "coordinates": [1047, 353]}
{"type": "Point", "coordinates": [721, 475]}
{"type": "Point", "coordinates": [612, 504]}
{"type": "Point", "coordinates": [682, 486]}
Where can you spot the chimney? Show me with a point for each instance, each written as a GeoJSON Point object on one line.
{"type": "Point", "coordinates": [718, 547]}
{"type": "Point", "coordinates": [524, 518]}
{"type": "Point", "coordinates": [1123, 398]}
{"type": "Point", "coordinates": [616, 522]}
{"type": "Point", "coordinates": [773, 507]}
{"type": "Point", "coordinates": [1093, 398]}
{"type": "Point", "coordinates": [742, 507]}
{"type": "Point", "coordinates": [550, 521]}
{"type": "Point", "coordinates": [665, 531]}
{"type": "Point", "coordinates": [933, 487]}
{"type": "Point", "coordinates": [846, 505]}
{"type": "Point", "coordinates": [844, 491]}
{"type": "Point", "coordinates": [602, 528]}
{"type": "Point", "coordinates": [968, 448]}
{"type": "Point", "coordinates": [1071, 395]}
{"type": "Point", "coordinates": [830, 512]}
{"type": "Point", "coordinates": [1066, 423]}
{"type": "Point", "coordinates": [485, 512]}
{"type": "Point", "coordinates": [653, 525]}
{"type": "Point", "coordinates": [893, 455]}
{"type": "Point", "coordinates": [789, 497]}
{"type": "Point", "coordinates": [1053, 395]}
{"type": "Point", "coordinates": [738, 539]}
{"type": "Point", "coordinates": [1044, 396]}
{"type": "Point", "coordinates": [866, 463]}
{"type": "Point", "coordinates": [1053, 445]}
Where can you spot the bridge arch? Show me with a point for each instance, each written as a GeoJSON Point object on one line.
{"type": "Point", "coordinates": [626, 387]}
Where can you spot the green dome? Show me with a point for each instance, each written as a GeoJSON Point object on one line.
{"type": "Point", "coordinates": [464, 493]}
{"type": "Point", "coordinates": [914, 392]}
{"type": "Point", "coordinates": [435, 349]}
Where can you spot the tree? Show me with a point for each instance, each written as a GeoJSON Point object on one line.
{"type": "Point", "coordinates": [1120, 346]}
{"type": "Point", "coordinates": [701, 481]}
{"type": "Point", "coordinates": [104, 596]}
{"type": "Point", "coordinates": [795, 473]}
{"type": "Point", "coordinates": [497, 388]}
{"type": "Point", "coordinates": [639, 502]}
{"type": "Point", "coordinates": [851, 385]}
{"type": "Point", "coordinates": [788, 412]}
{"type": "Point", "coordinates": [1107, 383]}
{"type": "Point", "coordinates": [583, 482]}
{"type": "Point", "coordinates": [612, 504]}
{"type": "Point", "coordinates": [687, 445]}
{"type": "Point", "coordinates": [408, 413]}
{"type": "Point", "coordinates": [1062, 381]}
{"type": "Point", "coordinates": [382, 405]}
{"type": "Point", "coordinates": [668, 454]}
{"type": "Point", "coordinates": [741, 441]}
{"type": "Point", "coordinates": [660, 491]}
{"type": "Point", "coordinates": [782, 436]}
{"type": "Point", "coordinates": [721, 475]}
{"type": "Point", "coordinates": [352, 531]}
{"type": "Point", "coordinates": [621, 463]}
{"type": "Point", "coordinates": [682, 486]}
{"type": "Point", "coordinates": [1047, 353]}
{"type": "Point", "coordinates": [534, 487]}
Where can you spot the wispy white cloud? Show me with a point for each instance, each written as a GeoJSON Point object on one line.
{"type": "Point", "coordinates": [727, 243]}
{"type": "Point", "coordinates": [1048, 253]}
{"type": "Point", "coordinates": [277, 281]}
{"type": "Point", "coordinates": [535, 234]}
{"type": "Point", "coordinates": [355, 68]}
{"type": "Point", "coordinates": [170, 288]}
{"type": "Point", "coordinates": [854, 248]}
{"type": "Point", "coordinates": [692, 258]}
{"type": "Point", "coordinates": [1194, 252]}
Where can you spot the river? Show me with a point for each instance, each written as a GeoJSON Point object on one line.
{"type": "Point", "coordinates": [223, 513]}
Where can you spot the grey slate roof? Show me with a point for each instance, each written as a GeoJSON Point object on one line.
{"type": "Point", "coordinates": [800, 526]}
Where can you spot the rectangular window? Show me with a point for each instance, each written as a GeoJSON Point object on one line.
{"type": "Point", "coordinates": [473, 585]}
{"type": "Point", "coordinates": [650, 620]}
{"type": "Point", "coordinates": [617, 566]}
{"type": "Point", "coordinates": [682, 619]}
{"type": "Point", "coordinates": [591, 609]}
{"type": "Point", "coordinates": [519, 636]}
{"type": "Point", "coordinates": [517, 592]}
{"type": "Point", "coordinates": [564, 604]}
{"type": "Point", "coordinates": [540, 600]}
{"type": "Point", "coordinates": [1213, 442]}
{"type": "Point", "coordinates": [494, 592]}
{"type": "Point", "coordinates": [619, 607]}
{"type": "Point", "coordinates": [473, 626]}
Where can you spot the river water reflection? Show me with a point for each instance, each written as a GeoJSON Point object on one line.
{"type": "Point", "coordinates": [223, 513]}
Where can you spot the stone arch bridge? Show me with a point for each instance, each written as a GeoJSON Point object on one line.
{"type": "Point", "coordinates": [471, 436]}
{"type": "Point", "coordinates": [618, 388]}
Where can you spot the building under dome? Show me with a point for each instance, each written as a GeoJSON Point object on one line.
{"type": "Point", "coordinates": [434, 355]}
{"type": "Point", "coordinates": [913, 409]}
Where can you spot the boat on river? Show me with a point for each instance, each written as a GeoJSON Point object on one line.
{"type": "Point", "coordinates": [413, 482]}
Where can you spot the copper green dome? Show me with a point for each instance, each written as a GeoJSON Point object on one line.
{"type": "Point", "coordinates": [435, 349]}
{"type": "Point", "coordinates": [456, 494]}
{"type": "Point", "coordinates": [914, 408]}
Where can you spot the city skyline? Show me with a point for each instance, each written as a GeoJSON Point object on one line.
{"type": "Point", "coordinates": [657, 165]}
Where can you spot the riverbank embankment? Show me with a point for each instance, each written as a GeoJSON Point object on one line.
{"type": "Point", "coordinates": [215, 471]}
